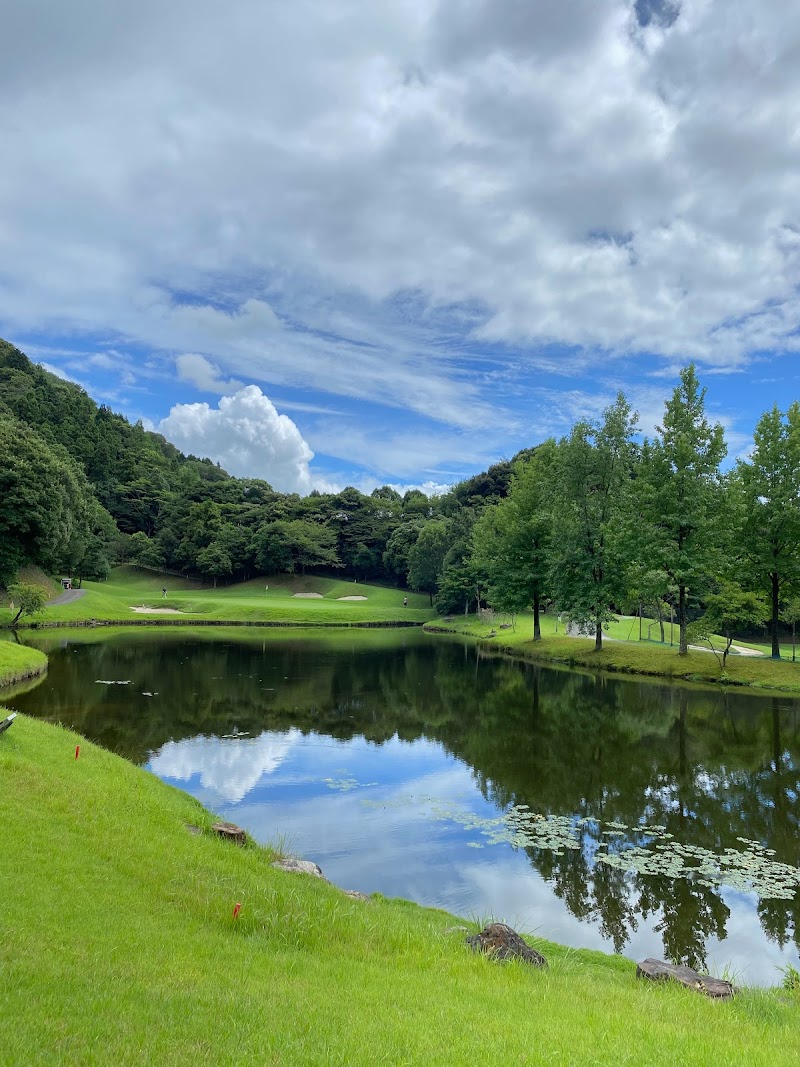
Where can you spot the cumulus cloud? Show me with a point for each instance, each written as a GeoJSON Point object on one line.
{"type": "Point", "coordinates": [231, 767]}
{"type": "Point", "coordinates": [245, 435]}
{"type": "Point", "coordinates": [366, 198]}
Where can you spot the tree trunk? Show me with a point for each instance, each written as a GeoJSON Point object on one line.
{"type": "Point", "coordinates": [431, 596]}
{"type": "Point", "coordinates": [641, 612]}
{"type": "Point", "coordinates": [775, 592]}
{"type": "Point", "coordinates": [537, 630]}
{"type": "Point", "coordinates": [683, 645]}
{"type": "Point", "coordinates": [598, 637]}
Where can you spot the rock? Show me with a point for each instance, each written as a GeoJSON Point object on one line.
{"type": "Point", "coordinates": [502, 943]}
{"type": "Point", "coordinates": [299, 867]}
{"type": "Point", "coordinates": [354, 893]}
{"type": "Point", "coordinates": [230, 832]}
{"type": "Point", "coordinates": [658, 971]}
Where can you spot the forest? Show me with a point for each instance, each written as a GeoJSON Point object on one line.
{"type": "Point", "coordinates": [601, 521]}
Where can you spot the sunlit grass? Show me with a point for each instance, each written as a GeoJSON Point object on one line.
{"type": "Point", "coordinates": [627, 656]}
{"type": "Point", "coordinates": [119, 947]}
{"type": "Point", "coordinates": [269, 600]}
{"type": "Point", "coordinates": [18, 662]}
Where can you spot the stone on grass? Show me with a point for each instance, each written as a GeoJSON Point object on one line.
{"type": "Point", "coordinates": [658, 971]}
{"type": "Point", "coordinates": [300, 867]}
{"type": "Point", "coordinates": [502, 943]}
{"type": "Point", "coordinates": [230, 832]}
{"type": "Point", "coordinates": [355, 894]}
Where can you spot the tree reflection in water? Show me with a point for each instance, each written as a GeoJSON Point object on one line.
{"type": "Point", "coordinates": [709, 766]}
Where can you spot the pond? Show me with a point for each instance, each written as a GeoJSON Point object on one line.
{"type": "Point", "coordinates": [621, 815]}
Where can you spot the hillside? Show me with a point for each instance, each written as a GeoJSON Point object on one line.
{"type": "Point", "coordinates": [123, 949]}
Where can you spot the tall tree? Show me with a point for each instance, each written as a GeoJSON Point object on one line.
{"type": "Point", "coordinates": [512, 540]}
{"type": "Point", "coordinates": [681, 499]}
{"type": "Point", "coordinates": [593, 476]}
{"type": "Point", "coordinates": [769, 482]}
{"type": "Point", "coordinates": [426, 556]}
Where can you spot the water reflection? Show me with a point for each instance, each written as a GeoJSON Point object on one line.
{"type": "Point", "coordinates": [346, 743]}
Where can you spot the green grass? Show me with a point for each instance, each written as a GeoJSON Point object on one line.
{"type": "Point", "coordinates": [251, 602]}
{"type": "Point", "coordinates": [19, 663]}
{"type": "Point", "coordinates": [621, 655]}
{"type": "Point", "coordinates": [119, 947]}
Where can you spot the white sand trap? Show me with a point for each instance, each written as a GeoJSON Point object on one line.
{"type": "Point", "coordinates": [351, 598]}
{"type": "Point", "coordinates": [309, 596]}
{"type": "Point", "coordinates": [157, 611]}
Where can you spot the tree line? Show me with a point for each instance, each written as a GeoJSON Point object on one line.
{"type": "Point", "coordinates": [588, 525]}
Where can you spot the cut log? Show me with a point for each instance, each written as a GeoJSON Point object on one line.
{"type": "Point", "coordinates": [502, 943]}
{"type": "Point", "coordinates": [658, 971]}
{"type": "Point", "coordinates": [230, 832]}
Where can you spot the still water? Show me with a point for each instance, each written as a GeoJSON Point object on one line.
{"type": "Point", "coordinates": [621, 815]}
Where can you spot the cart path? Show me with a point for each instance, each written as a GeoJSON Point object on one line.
{"type": "Point", "coordinates": [66, 598]}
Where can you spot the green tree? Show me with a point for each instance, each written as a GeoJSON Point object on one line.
{"type": "Point", "coordinates": [593, 469]}
{"type": "Point", "coordinates": [44, 500]}
{"type": "Point", "coordinates": [214, 562]}
{"type": "Point", "coordinates": [426, 557]}
{"type": "Point", "coordinates": [680, 497]}
{"type": "Point", "coordinates": [728, 610]}
{"type": "Point", "coordinates": [512, 540]}
{"type": "Point", "coordinates": [27, 599]}
{"type": "Point", "coordinates": [769, 482]}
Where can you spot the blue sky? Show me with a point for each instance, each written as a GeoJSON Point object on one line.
{"type": "Point", "coordinates": [339, 242]}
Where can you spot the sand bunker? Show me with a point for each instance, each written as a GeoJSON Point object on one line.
{"type": "Point", "coordinates": [351, 598]}
{"type": "Point", "coordinates": [157, 611]}
{"type": "Point", "coordinates": [309, 596]}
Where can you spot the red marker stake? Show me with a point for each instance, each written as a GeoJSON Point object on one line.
{"type": "Point", "coordinates": [236, 911]}
{"type": "Point", "coordinates": [77, 751]}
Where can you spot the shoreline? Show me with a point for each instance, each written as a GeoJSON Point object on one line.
{"type": "Point", "coordinates": [30, 663]}
{"type": "Point", "coordinates": [580, 654]}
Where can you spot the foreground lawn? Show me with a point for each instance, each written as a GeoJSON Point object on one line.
{"type": "Point", "coordinates": [119, 947]}
{"type": "Point", "coordinates": [18, 663]}
{"type": "Point", "coordinates": [268, 600]}
{"type": "Point", "coordinates": [626, 656]}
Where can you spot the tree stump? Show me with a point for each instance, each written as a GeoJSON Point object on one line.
{"type": "Point", "coordinates": [502, 943]}
{"type": "Point", "coordinates": [658, 971]}
{"type": "Point", "coordinates": [230, 832]}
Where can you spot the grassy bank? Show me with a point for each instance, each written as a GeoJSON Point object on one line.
{"type": "Point", "coordinates": [119, 947]}
{"type": "Point", "coordinates": [131, 595]}
{"type": "Point", "coordinates": [624, 656]}
{"type": "Point", "coordinates": [18, 663]}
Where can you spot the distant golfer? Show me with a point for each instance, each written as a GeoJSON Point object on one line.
{"type": "Point", "coordinates": [405, 601]}
{"type": "Point", "coordinates": [164, 593]}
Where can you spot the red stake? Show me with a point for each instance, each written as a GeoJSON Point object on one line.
{"type": "Point", "coordinates": [236, 911]}
{"type": "Point", "coordinates": [77, 751]}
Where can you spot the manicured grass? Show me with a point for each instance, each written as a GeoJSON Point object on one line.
{"type": "Point", "coordinates": [119, 947]}
{"type": "Point", "coordinates": [269, 600]}
{"type": "Point", "coordinates": [18, 663]}
{"type": "Point", "coordinates": [630, 657]}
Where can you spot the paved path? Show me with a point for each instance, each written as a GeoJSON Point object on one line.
{"type": "Point", "coordinates": [66, 598]}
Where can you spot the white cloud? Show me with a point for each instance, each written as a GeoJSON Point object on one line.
{"type": "Point", "coordinates": [204, 375]}
{"type": "Point", "coordinates": [358, 196]}
{"type": "Point", "coordinates": [247, 436]}
{"type": "Point", "coordinates": [231, 767]}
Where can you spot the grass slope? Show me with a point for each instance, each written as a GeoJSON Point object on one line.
{"type": "Point", "coordinates": [119, 947]}
{"type": "Point", "coordinates": [625, 656]}
{"type": "Point", "coordinates": [269, 600]}
{"type": "Point", "coordinates": [18, 663]}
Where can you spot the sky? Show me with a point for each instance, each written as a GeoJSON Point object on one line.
{"type": "Point", "coordinates": [337, 242]}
